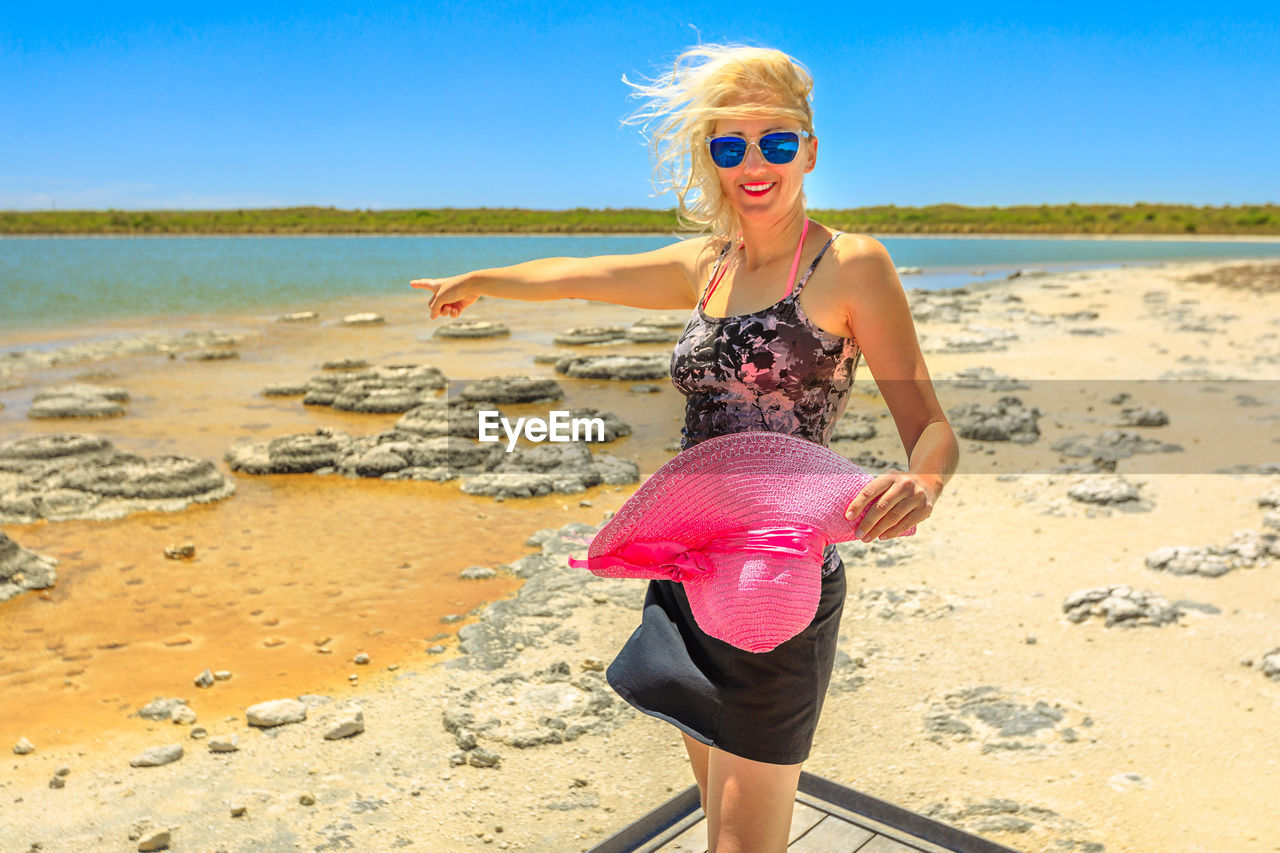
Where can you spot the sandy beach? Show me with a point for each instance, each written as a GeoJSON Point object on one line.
{"type": "Point", "coordinates": [970, 684]}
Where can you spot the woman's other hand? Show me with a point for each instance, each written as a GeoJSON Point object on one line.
{"type": "Point", "coordinates": [894, 502]}
{"type": "Point", "coordinates": [449, 296]}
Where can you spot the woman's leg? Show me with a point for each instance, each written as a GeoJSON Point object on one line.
{"type": "Point", "coordinates": [749, 803]}
{"type": "Point", "coordinates": [698, 755]}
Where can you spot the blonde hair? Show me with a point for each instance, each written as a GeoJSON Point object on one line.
{"type": "Point", "coordinates": [711, 82]}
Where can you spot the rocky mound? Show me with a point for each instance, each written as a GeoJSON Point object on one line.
{"type": "Point", "coordinates": [623, 367]}
{"type": "Point", "coordinates": [21, 570]}
{"type": "Point", "coordinates": [485, 469]}
{"type": "Point", "coordinates": [471, 329]}
{"type": "Point", "coordinates": [512, 389]}
{"type": "Point", "coordinates": [1121, 605]}
{"type": "Point", "coordinates": [64, 476]}
{"type": "Point", "coordinates": [78, 400]}
{"type": "Point", "coordinates": [389, 388]}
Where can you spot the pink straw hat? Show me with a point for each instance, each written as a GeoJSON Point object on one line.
{"type": "Point", "coordinates": [741, 520]}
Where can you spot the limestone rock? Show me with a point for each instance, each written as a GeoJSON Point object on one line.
{"type": "Point", "coordinates": [22, 570]}
{"type": "Point", "coordinates": [78, 400]}
{"type": "Point", "coordinates": [471, 329]}
{"type": "Point", "coordinates": [277, 712]}
{"type": "Point", "coordinates": [620, 367]}
{"type": "Point", "coordinates": [1121, 605]}
{"type": "Point", "coordinates": [157, 755]}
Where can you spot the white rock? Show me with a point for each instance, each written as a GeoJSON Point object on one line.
{"type": "Point", "coordinates": [277, 712]}
{"type": "Point", "coordinates": [157, 756]}
{"type": "Point", "coordinates": [155, 840]}
{"type": "Point", "coordinates": [224, 743]}
{"type": "Point", "coordinates": [363, 320]}
{"type": "Point", "coordinates": [351, 724]}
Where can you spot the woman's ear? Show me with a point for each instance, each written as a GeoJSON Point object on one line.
{"type": "Point", "coordinates": [813, 154]}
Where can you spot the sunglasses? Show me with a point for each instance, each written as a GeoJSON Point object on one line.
{"type": "Point", "coordinates": [777, 148]}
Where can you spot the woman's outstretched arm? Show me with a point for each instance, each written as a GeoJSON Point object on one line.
{"type": "Point", "coordinates": [880, 319]}
{"type": "Point", "coordinates": [662, 278]}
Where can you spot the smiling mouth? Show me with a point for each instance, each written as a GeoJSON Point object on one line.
{"type": "Point", "coordinates": [758, 189]}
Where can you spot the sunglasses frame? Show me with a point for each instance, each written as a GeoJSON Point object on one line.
{"type": "Point", "coordinates": [800, 134]}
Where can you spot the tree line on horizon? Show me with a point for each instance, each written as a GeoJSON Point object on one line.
{"type": "Point", "coordinates": [1140, 218]}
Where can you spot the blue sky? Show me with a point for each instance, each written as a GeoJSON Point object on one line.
{"type": "Point", "coordinates": [519, 104]}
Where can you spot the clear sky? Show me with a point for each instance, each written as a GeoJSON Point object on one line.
{"type": "Point", "coordinates": [519, 103]}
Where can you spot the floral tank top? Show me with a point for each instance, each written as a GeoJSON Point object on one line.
{"type": "Point", "coordinates": [770, 370]}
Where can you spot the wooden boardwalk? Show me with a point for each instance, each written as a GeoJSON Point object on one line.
{"type": "Point", "coordinates": [828, 818]}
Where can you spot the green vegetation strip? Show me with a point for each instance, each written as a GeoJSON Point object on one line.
{"type": "Point", "coordinates": [1155, 219]}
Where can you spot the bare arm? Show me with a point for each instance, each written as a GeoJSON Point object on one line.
{"type": "Point", "coordinates": [881, 323]}
{"type": "Point", "coordinates": [662, 278]}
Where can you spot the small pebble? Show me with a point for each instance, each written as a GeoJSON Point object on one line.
{"type": "Point", "coordinates": [361, 658]}
{"type": "Point", "coordinates": [157, 839]}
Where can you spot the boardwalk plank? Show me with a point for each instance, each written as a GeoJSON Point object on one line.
{"type": "Point", "coordinates": [803, 818]}
{"type": "Point", "coordinates": [692, 840]}
{"type": "Point", "coordinates": [831, 835]}
{"type": "Point", "coordinates": [885, 844]}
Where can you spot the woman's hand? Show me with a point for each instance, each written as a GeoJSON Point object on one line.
{"type": "Point", "coordinates": [448, 295]}
{"type": "Point", "coordinates": [894, 502]}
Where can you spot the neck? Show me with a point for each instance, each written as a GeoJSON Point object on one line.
{"type": "Point", "coordinates": [764, 242]}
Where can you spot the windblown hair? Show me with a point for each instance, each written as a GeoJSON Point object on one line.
{"type": "Point", "coordinates": [679, 111]}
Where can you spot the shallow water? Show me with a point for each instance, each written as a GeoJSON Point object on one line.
{"type": "Point", "coordinates": [52, 281]}
{"type": "Point", "coordinates": [372, 566]}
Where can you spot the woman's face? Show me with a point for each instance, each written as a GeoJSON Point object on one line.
{"type": "Point", "coordinates": [756, 188]}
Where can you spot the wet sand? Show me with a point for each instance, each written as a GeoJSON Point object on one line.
{"type": "Point", "coordinates": [373, 566]}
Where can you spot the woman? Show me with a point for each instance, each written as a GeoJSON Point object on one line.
{"type": "Point", "coordinates": [781, 312]}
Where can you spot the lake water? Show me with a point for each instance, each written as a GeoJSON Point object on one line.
{"type": "Point", "coordinates": [50, 281]}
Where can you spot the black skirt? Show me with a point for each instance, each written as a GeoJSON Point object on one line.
{"type": "Point", "coordinates": [761, 706]}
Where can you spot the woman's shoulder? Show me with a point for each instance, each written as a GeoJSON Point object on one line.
{"type": "Point", "coordinates": [852, 247]}
{"type": "Point", "coordinates": [696, 253]}
{"type": "Point", "coordinates": [860, 262]}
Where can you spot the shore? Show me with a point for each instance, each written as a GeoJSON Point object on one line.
{"type": "Point", "coordinates": [1031, 235]}
{"type": "Point", "coordinates": [964, 688]}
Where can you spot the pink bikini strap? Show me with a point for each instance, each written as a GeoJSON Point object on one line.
{"type": "Point", "coordinates": [795, 262]}
{"type": "Point", "coordinates": [722, 267]}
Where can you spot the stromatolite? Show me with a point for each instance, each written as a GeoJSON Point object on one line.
{"type": "Point", "coordinates": [21, 570]}
{"type": "Point", "coordinates": [1005, 420]}
{"type": "Point", "coordinates": [78, 400]}
{"type": "Point", "coordinates": [512, 389]}
{"type": "Point", "coordinates": [395, 455]}
{"type": "Point", "coordinates": [64, 476]}
{"type": "Point", "coordinates": [471, 329]}
{"type": "Point", "coordinates": [624, 367]}
{"type": "Point", "coordinates": [384, 389]}
{"type": "Point", "coordinates": [588, 335]}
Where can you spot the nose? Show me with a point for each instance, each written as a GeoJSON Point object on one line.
{"type": "Point", "coordinates": [754, 158]}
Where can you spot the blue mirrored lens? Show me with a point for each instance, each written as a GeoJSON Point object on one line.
{"type": "Point", "coordinates": [780, 147]}
{"type": "Point", "coordinates": [728, 151]}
